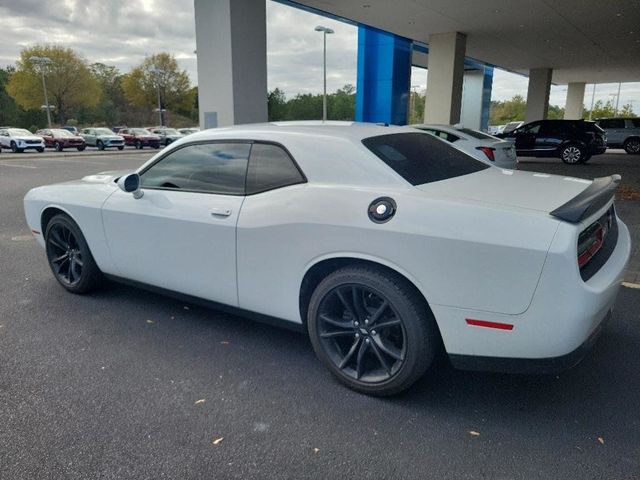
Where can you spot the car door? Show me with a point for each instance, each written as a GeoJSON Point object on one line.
{"type": "Point", "coordinates": [615, 130]}
{"type": "Point", "coordinates": [89, 135]}
{"type": "Point", "coordinates": [4, 138]}
{"type": "Point", "coordinates": [525, 138]}
{"type": "Point", "coordinates": [181, 234]}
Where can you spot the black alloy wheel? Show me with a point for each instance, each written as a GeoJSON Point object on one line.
{"type": "Point", "coordinates": [632, 146]}
{"type": "Point", "coordinates": [69, 257]}
{"type": "Point", "coordinates": [371, 330]}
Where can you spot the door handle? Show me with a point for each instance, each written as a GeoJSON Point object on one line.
{"type": "Point", "coordinates": [220, 212]}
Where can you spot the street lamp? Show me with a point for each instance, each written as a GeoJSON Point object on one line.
{"type": "Point", "coordinates": [325, 31]}
{"type": "Point", "coordinates": [158, 72]}
{"type": "Point", "coordinates": [42, 62]}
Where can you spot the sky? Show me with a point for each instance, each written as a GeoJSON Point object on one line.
{"type": "Point", "coordinates": [123, 32]}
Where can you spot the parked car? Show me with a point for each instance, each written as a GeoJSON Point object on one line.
{"type": "Point", "coordinates": [19, 140]}
{"type": "Point", "coordinates": [71, 129]}
{"type": "Point", "coordinates": [622, 133]}
{"type": "Point", "coordinates": [188, 131]}
{"type": "Point", "coordinates": [167, 135]}
{"type": "Point", "coordinates": [511, 126]}
{"type": "Point", "coordinates": [382, 243]}
{"type": "Point", "coordinates": [494, 129]}
{"type": "Point", "coordinates": [60, 139]}
{"type": "Point", "coordinates": [139, 138]}
{"type": "Point", "coordinates": [484, 147]}
{"type": "Point", "coordinates": [573, 141]}
{"type": "Point", "coordinates": [102, 138]}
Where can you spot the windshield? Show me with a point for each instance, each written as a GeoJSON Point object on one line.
{"type": "Point", "coordinates": [62, 133]}
{"type": "Point", "coordinates": [19, 131]}
{"type": "Point", "coordinates": [104, 131]}
{"type": "Point", "coordinates": [421, 158]}
{"type": "Point", "coordinates": [170, 131]}
{"type": "Point", "coordinates": [476, 134]}
{"type": "Point", "coordinates": [141, 131]}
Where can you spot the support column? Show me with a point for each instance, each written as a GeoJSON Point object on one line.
{"type": "Point", "coordinates": [384, 76]}
{"type": "Point", "coordinates": [476, 97]}
{"type": "Point", "coordinates": [444, 82]}
{"type": "Point", "coordinates": [231, 41]}
{"type": "Point", "coordinates": [538, 94]}
{"type": "Point", "coordinates": [575, 101]}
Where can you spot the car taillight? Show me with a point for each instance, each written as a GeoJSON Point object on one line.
{"type": "Point", "coordinates": [488, 151]}
{"type": "Point", "coordinates": [589, 243]}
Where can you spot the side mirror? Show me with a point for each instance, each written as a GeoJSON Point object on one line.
{"type": "Point", "coordinates": [130, 183]}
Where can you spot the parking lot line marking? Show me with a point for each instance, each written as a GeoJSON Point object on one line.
{"type": "Point", "coordinates": [18, 166]}
{"type": "Point", "coordinates": [631, 285]}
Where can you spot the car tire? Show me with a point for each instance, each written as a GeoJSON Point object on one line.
{"type": "Point", "coordinates": [138, 145]}
{"type": "Point", "coordinates": [40, 149]}
{"type": "Point", "coordinates": [156, 146]}
{"type": "Point", "coordinates": [632, 146]}
{"type": "Point", "coordinates": [69, 256]}
{"type": "Point", "coordinates": [58, 147]}
{"type": "Point", "coordinates": [121, 147]}
{"type": "Point", "coordinates": [372, 330]}
{"type": "Point", "coordinates": [572, 154]}
{"type": "Point", "coordinates": [15, 149]}
{"type": "Point", "coordinates": [81, 149]}
{"type": "Point", "coordinates": [100, 145]}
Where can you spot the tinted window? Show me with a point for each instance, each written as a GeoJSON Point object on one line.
{"type": "Point", "coordinates": [476, 134]}
{"type": "Point", "coordinates": [557, 128]}
{"type": "Point", "coordinates": [270, 167]}
{"type": "Point", "coordinates": [612, 123]}
{"type": "Point", "coordinates": [449, 137]}
{"type": "Point", "coordinates": [212, 168]}
{"type": "Point", "coordinates": [531, 128]}
{"type": "Point", "coordinates": [635, 122]}
{"type": "Point", "coordinates": [420, 158]}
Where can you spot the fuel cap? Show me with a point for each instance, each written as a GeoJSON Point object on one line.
{"type": "Point", "coordinates": [382, 209]}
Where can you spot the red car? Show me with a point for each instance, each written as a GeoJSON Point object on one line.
{"type": "Point", "coordinates": [139, 138]}
{"type": "Point", "coordinates": [60, 139]}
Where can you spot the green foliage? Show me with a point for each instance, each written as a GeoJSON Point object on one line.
{"type": "Point", "coordinates": [340, 105]}
{"type": "Point", "coordinates": [416, 108]}
{"type": "Point", "coordinates": [506, 111]}
{"type": "Point", "coordinates": [70, 84]}
{"type": "Point", "coordinates": [555, 112]}
{"type": "Point", "coordinates": [159, 75]}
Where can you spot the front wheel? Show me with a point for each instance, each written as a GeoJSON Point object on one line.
{"type": "Point", "coordinates": [372, 330]}
{"type": "Point", "coordinates": [40, 149]}
{"type": "Point", "coordinates": [138, 145]}
{"type": "Point", "coordinates": [632, 146]}
{"type": "Point", "coordinates": [69, 256]}
{"type": "Point", "coordinates": [121, 147]}
{"type": "Point", "coordinates": [81, 149]}
{"type": "Point", "coordinates": [100, 145]}
{"type": "Point", "coordinates": [58, 146]}
{"type": "Point", "coordinates": [572, 154]}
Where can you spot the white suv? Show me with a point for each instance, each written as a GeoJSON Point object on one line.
{"type": "Point", "coordinates": [19, 140]}
{"type": "Point", "coordinates": [622, 133]}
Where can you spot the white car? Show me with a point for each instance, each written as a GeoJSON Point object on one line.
{"type": "Point", "coordinates": [484, 147]}
{"type": "Point", "coordinates": [19, 140]}
{"type": "Point", "coordinates": [167, 135]}
{"type": "Point", "coordinates": [383, 243]}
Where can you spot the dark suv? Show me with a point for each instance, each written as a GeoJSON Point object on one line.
{"type": "Point", "coordinates": [573, 141]}
{"type": "Point", "coordinates": [622, 133]}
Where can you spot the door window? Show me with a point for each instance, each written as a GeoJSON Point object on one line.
{"type": "Point", "coordinates": [612, 123]}
{"type": "Point", "coordinates": [530, 129]}
{"type": "Point", "coordinates": [206, 167]}
{"type": "Point", "coordinates": [270, 166]}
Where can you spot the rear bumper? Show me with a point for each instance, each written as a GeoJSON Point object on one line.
{"type": "Point", "coordinates": [548, 365]}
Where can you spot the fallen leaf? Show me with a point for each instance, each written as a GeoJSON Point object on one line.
{"type": "Point", "coordinates": [316, 450]}
{"type": "Point", "coordinates": [150, 321]}
{"type": "Point", "coordinates": [217, 441]}
{"type": "Point", "coordinates": [474, 433]}
{"type": "Point", "coordinates": [198, 402]}
{"type": "Point", "coordinates": [601, 440]}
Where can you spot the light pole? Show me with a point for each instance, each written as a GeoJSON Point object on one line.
{"type": "Point", "coordinates": [42, 62]}
{"type": "Point", "coordinates": [325, 31]}
{"type": "Point", "coordinates": [158, 72]}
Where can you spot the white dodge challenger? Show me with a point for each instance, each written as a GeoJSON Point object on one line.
{"type": "Point", "coordinates": [385, 244]}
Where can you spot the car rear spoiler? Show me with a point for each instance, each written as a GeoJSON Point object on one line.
{"type": "Point", "coordinates": [590, 200]}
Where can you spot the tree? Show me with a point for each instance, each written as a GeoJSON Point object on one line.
{"type": "Point", "coordinates": [159, 72]}
{"type": "Point", "coordinates": [600, 110]}
{"type": "Point", "coordinates": [70, 84]}
{"type": "Point", "coordinates": [508, 110]}
{"type": "Point", "coordinates": [626, 111]}
{"type": "Point", "coordinates": [342, 104]}
{"type": "Point", "coordinates": [276, 105]}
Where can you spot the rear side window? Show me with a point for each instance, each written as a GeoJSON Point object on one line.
{"type": "Point", "coordinates": [270, 166]}
{"type": "Point", "coordinates": [421, 158]}
{"type": "Point", "coordinates": [476, 134]}
{"type": "Point", "coordinates": [612, 123]}
{"type": "Point", "coordinates": [635, 122]}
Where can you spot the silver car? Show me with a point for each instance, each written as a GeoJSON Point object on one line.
{"type": "Point", "coordinates": [622, 133]}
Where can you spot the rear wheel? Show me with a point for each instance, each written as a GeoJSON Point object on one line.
{"type": "Point", "coordinates": [40, 149]}
{"type": "Point", "coordinates": [632, 146]}
{"type": "Point", "coordinates": [121, 147]}
{"type": "Point", "coordinates": [69, 257]}
{"type": "Point", "coordinates": [372, 330]}
{"type": "Point", "coordinates": [15, 149]}
{"type": "Point", "coordinates": [81, 149]}
{"type": "Point", "coordinates": [572, 154]}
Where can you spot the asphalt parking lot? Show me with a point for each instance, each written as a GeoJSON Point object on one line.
{"type": "Point", "coordinates": [128, 384]}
